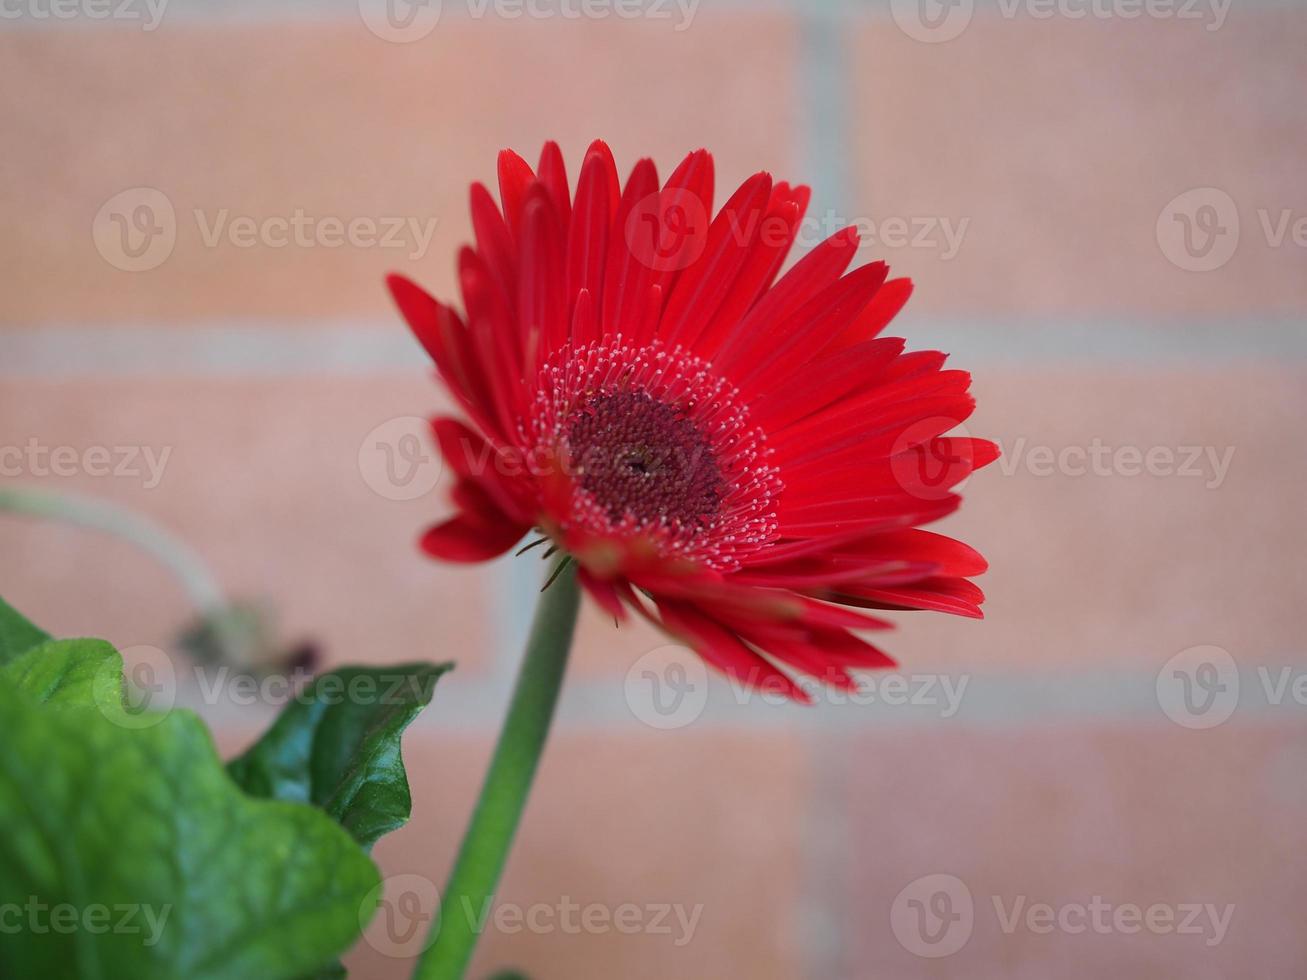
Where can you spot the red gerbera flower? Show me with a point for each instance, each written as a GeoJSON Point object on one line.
{"type": "Point", "coordinates": [738, 457]}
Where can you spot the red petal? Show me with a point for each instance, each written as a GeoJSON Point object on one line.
{"type": "Point", "coordinates": [732, 236]}
{"type": "Point", "coordinates": [869, 422]}
{"type": "Point", "coordinates": [479, 533]}
{"type": "Point", "coordinates": [884, 306]}
{"type": "Point", "coordinates": [824, 381]}
{"type": "Point", "coordinates": [542, 308]}
{"type": "Point", "coordinates": [463, 540]}
{"type": "Point", "coordinates": [494, 243]}
{"type": "Point", "coordinates": [776, 232]}
{"type": "Point", "coordinates": [626, 278]}
{"type": "Point", "coordinates": [951, 595]}
{"type": "Point", "coordinates": [587, 235]}
{"type": "Point", "coordinates": [814, 272]}
{"type": "Point", "coordinates": [495, 342]}
{"type": "Point", "coordinates": [445, 338]}
{"type": "Point", "coordinates": [604, 593]}
{"type": "Point", "coordinates": [865, 517]}
{"type": "Point", "coordinates": [598, 150]}
{"type": "Point", "coordinates": [552, 172]}
{"type": "Point", "coordinates": [723, 649]}
{"type": "Point", "coordinates": [782, 347]}
{"type": "Point", "coordinates": [515, 177]}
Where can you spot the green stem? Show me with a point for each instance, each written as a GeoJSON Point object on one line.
{"type": "Point", "coordinates": [100, 515]}
{"type": "Point", "coordinates": [471, 887]}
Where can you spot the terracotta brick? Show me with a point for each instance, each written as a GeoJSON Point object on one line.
{"type": "Point", "coordinates": [1137, 815]}
{"type": "Point", "coordinates": [709, 819]}
{"type": "Point", "coordinates": [264, 483]}
{"type": "Point", "coordinates": [1123, 569]}
{"type": "Point", "coordinates": [261, 119]}
{"type": "Point", "coordinates": [1061, 141]}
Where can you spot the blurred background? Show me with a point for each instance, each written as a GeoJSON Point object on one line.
{"type": "Point", "coordinates": [1102, 204]}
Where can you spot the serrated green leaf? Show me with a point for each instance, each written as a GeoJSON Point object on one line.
{"type": "Point", "coordinates": [17, 635]}
{"type": "Point", "coordinates": [77, 673]}
{"type": "Point", "coordinates": [144, 827]}
{"type": "Point", "coordinates": [338, 746]}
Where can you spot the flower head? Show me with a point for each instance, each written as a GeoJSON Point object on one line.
{"type": "Point", "coordinates": [733, 453]}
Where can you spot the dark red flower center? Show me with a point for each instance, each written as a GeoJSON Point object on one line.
{"type": "Point", "coordinates": [657, 445]}
{"type": "Point", "coordinates": [636, 455]}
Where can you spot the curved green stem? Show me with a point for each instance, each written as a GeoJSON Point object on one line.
{"type": "Point", "coordinates": [100, 515]}
{"type": "Point", "coordinates": [466, 902]}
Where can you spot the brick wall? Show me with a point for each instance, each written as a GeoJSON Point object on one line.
{"type": "Point", "coordinates": [1036, 175]}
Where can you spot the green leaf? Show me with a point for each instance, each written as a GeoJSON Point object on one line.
{"type": "Point", "coordinates": [334, 972]}
{"type": "Point", "coordinates": [17, 635]}
{"type": "Point", "coordinates": [128, 852]}
{"type": "Point", "coordinates": [79, 673]}
{"type": "Point", "coordinates": [337, 746]}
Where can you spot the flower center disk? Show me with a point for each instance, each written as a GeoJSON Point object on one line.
{"type": "Point", "coordinates": [639, 456]}
{"type": "Point", "coordinates": [658, 446]}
